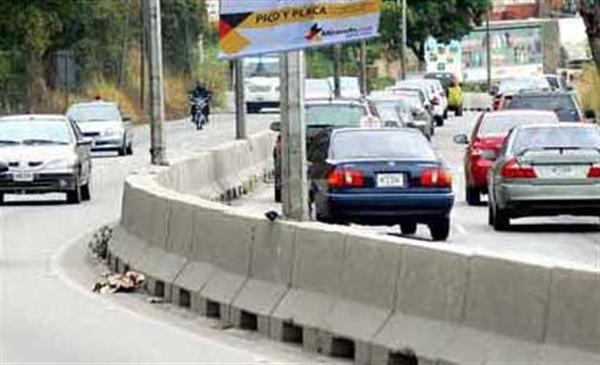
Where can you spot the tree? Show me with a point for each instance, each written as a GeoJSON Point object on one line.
{"type": "Point", "coordinates": [590, 12]}
{"type": "Point", "coordinates": [444, 20]}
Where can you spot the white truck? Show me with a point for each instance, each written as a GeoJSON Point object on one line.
{"type": "Point", "coordinates": [261, 82]}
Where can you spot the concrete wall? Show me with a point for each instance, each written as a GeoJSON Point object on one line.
{"type": "Point", "coordinates": [337, 290]}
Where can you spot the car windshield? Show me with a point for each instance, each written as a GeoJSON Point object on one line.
{"type": "Point", "coordinates": [317, 87]}
{"type": "Point", "coordinates": [34, 132]}
{"type": "Point", "coordinates": [445, 79]}
{"type": "Point", "coordinates": [381, 144]}
{"type": "Point", "coordinates": [502, 124]}
{"type": "Point", "coordinates": [261, 67]}
{"type": "Point", "coordinates": [556, 137]}
{"type": "Point", "coordinates": [348, 115]}
{"type": "Point", "coordinates": [390, 107]}
{"type": "Point", "coordinates": [94, 113]}
{"type": "Point", "coordinates": [513, 85]}
{"type": "Point", "coordinates": [563, 105]}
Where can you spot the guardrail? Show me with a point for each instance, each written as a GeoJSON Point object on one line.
{"type": "Point", "coordinates": [339, 291]}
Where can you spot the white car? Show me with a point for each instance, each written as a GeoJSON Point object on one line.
{"type": "Point", "coordinates": [44, 154]}
{"type": "Point", "coordinates": [435, 101]}
{"type": "Point", "coordinates": [261, 92]}
{"type": "Point", "coordinates": [317, 89]}
{"type": "Point", "coordinates": [103, 122]}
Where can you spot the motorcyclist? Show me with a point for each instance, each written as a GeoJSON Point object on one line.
{"type": "Point", "coordinates": [202, 92]}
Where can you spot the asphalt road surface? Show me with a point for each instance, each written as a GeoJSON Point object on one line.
{"type": "Point", "coordinates": [48, 313]}
{"type": "Point", "coordinates": [564, 240]}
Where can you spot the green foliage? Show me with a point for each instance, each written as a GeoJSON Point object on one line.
{"type": "Point", "coordinates": [215, 74]}
{"type": "Point", "coordinates": [380, 83]}
{"type": "Point", "coordinates": [445, 20]}
{"type": "Point", "coordinates": [97, 33]}
{"type": "Point", "coordinates": [319, 63]}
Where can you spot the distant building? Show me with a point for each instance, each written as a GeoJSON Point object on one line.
{"type": "Point", "coordinates": [212, 9]}
{"type": "Point", "coordinates": [515, 9]}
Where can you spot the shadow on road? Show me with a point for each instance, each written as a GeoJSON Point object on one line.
{"type": "Point", "coordinates": [33, 203]}
{"type": "Point", "coordinates": [555, 228]}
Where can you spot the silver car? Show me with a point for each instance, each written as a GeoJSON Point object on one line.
{"type": "Point", "coordinates": [44, 154]}
{"type": "Point", "coordinates": [546, 170]}
{"type": "Point", "coordinates": [103, 122]}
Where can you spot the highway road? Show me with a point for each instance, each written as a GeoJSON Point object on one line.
{"type": "Point", "coordinates": [48, 313]}
{"type": "Point", "coordinates": [565, 240]}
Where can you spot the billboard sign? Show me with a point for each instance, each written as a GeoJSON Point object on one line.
{"type": "Point", "coordinates": [265, 26]}
{"type": "Point", "coordinates": [441, 57]}
{"type": "Point", "coordinates": [515, 51]}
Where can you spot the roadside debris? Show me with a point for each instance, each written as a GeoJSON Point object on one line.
{"type": "Point", "coordinates": [119, 283]}
{"type": "Point", "coordinates": [99, 243]}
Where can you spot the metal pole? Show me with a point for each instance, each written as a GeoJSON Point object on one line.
{"type": "Point", "coordinates": [403, 44]}
{"type": "Point", "coordinates": [363, 68]}
{"type": "Point", "coordinates": [240, 103]}
{"type": "Point", "coordinates": [293, 137]}
{"type": "Point", "coordinates": [337, 69]}
{"type": "Point", "coordinates": [488, 51]}
{"type": "Point", "coordinates": [157, 107]}
{"type": "Point", "coordinates": [143, 59]}
{"type": "Point", "coordinates": [66, 64]}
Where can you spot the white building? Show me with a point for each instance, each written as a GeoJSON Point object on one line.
{"type": "Point", "coordinates": [212, 8]}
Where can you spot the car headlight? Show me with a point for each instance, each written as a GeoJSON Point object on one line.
{"type": "Point", "coordinates": [67, 163]}
{"type": "Point", "coordinates": [113, 132]}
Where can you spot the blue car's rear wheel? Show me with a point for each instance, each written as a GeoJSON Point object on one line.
{"type": "Point", "coordinates": [408, 227]}
{"type": "Point", "coordinates": [440, 228]}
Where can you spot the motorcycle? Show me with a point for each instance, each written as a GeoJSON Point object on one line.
{"type": "Point", "coordinates": [199, 111]}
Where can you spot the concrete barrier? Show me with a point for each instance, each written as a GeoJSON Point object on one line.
{"type": "Point", "coordinates": [572, 321]}
{"type": "Point", "coordinates": [430, 302]}
{"type": "Point", "coordinates": [335, 290]}
{"type": "Point", "coordinates": [269, 276]}
{"type": "Point", "coordinates": [365, 300]}
{"type": "Point", "coordinates": [316, 276]}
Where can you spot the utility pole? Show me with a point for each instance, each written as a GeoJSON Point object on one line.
{"type": "Point", "coordinates": [403, 44]}
{"type": "Point", "coordinates": [240, 103]}
{"type": "Point", "coordinates": [363, 68]}
{"type": "Point", "coordinates": [143, 50]}
{"type": "Point", "coordinates": [337, 69]}
{"type": "Point", "coordinates": [293, 137]}
{"type": "Point", "coordinates": [157, 106]}
{"type": "Point", "coordinates": [488, 51]}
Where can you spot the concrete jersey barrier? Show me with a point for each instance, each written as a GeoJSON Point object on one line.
{"type": "Point", "coordinates": [339, 291]}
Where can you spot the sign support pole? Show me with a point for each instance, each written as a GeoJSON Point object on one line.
{"type": "Point", "coordinates": [337, 69]}
{"type": "Point", "coordinates": [293, 137]}
{"type": "Point", "coordinates": [240, 103]}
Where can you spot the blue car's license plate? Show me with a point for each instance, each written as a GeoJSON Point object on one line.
{"type": "Point", "coordinates": [390, 180]}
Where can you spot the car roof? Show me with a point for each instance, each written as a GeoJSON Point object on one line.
{"type": "Point", "coordinates": [34, 117]}
{"type": "Point", "coordinates": [378, 130]}
{"type": "Point", "coordinates": [560, 125]}
{"type": "Point", "coordinates": [513, 112]}
{"type": "Point", "coordinates": [336, 101]}
{"type": "Point", "coordinates": [531, 92]}
{"type": "Point", "coordinates": [93, 103]}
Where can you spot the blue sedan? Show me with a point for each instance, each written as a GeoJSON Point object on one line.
{"type": "Point", "coordinates": [381, 177]}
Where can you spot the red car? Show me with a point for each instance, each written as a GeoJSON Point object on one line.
{"type": "Point", "coordinates": [486, 141]}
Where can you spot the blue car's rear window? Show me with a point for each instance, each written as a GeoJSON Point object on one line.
{"type": "Point", "coordinates": [383, 144]}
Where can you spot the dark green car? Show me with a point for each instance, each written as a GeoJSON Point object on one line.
{"type": "Point", "coordinates": [546, 170]}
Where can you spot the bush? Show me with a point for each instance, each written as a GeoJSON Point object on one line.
{"type": "Point", "coordinates": [215, 74]}
{"type": "Point", "coordinates": [380, 83]}
{"type": "Point", "coordinates": [108, 91]}
{"type": "Point", "coordinates": [176, 99]}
